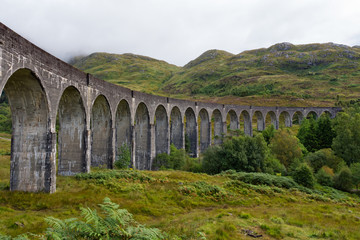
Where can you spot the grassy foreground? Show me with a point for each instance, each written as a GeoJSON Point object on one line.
{"type": "Point", "coordinates": [185, 204]}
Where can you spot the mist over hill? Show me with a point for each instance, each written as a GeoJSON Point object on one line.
{"type": "Point", "coordinates": [283, 74]}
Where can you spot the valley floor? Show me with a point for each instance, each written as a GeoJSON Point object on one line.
{"type": "Point", "coordinates": [188, 205]}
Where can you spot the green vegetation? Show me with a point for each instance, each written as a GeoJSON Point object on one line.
{"type": "Point", "coordinates": [124, 157]}
{"type": "Point", "coordinates": [283, 74]}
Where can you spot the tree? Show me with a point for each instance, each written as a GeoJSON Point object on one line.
{"type": "Point", "coordinates": [303, 175]}
{"type": "Point", "coordinates": [324, 178]}
{"type": "Point", "coordinates": [321, 158]}
{"type": "Point", "coordinates": [324, 132]}
{"type": "Point", "coordinates": [285, 147]}
{"type": "Point", "coordinates": [346, 144]}
{"type": "Point", "coordinates": [343, 180]}
{"type": "Point", "coordinates": [268, 133]}
{"type": "Point", "coordinates": [355, 171]}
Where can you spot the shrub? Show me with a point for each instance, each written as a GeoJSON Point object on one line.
{"type": "Point", "coordinates": [241, 153]}
{"type": "Point", "coordinates": [343, 180]}
{"type": "Point", "coordinates": [304, 176]}
{"type": "Point", "coordinates": [321, 158]}
{"type": "Point", "coordinates": [175, 160]}
{"type": "Point", "coordinates": [324, 178]}
{"type": "Point", "coordinates": [355, 171]}
{"type": "Point", "coordinates": [273, 165]}
{"type": "Point", "coordinates": [124, 157]}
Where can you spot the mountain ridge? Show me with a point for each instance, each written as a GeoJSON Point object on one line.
{"type": "Point", "coordinates": [282, 74]}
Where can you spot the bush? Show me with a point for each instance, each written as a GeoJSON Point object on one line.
{"type": "Point", "coordinates": [321, 158]}
{"type": "Point", "coordinates": [303, 175]}
{"type": "Point", "coordinates": [241, 153]}
{"type": "Point", "coordinates": [343, 180]}
{"type": "Point", "coordinates": [324, 178]}
{"type": "Point", "coordinates": [273, 166]}
{"type": "Point", "coordinates": [124, 157]}
{"type": "Point", "coordinates": [175, 160]}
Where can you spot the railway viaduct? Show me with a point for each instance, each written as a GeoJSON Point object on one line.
{"type": "Point", "coordinates": [95, 118]}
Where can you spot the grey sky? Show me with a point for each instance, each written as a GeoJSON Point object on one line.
{"type": "Point", "coordinates": [178, 31]}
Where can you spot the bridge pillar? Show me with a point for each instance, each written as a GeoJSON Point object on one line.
{"type": "Point", "coordinates": [88, 149]}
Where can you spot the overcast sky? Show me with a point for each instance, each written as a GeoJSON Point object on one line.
{"type": "Point", "coordinates": [178, 31]}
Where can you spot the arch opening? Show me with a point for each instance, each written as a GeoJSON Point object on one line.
{"type": "Point", "coordinates": [32, 142]}
{"type": "Point", "coordinates": [142, 138]}
{"type": "Point", "coordinates": [271, 119]}
{"type": "Point", "coordinates": [161, 131]}
{"type": "Point", "coordinates": [258, 121]}
{"type": "Point", "coordinates": [284, 119]}
{"type": "Point", "coordinates": [71, 133]}
{"type": "Point", "coordinates": [204, 130]}
{"type": "Point", "coordinates": [312, 114]}
{"type": "Point", "coordinates": [297, 118]}
{"type": "Point", "coordinates": [190, 132]}
{"type": "Point", "coordinates": [232, 120]}
{"type": "Point", "coordinates": [101, 150]}
{"type": "Point", "coordinates": [217, 126]}
{"type": "Point", "coordinates": [245, 123]}
{"type": "Point", "coordinates": [176, 128]}
{"type": "Point", "coordinates": [123, 127]}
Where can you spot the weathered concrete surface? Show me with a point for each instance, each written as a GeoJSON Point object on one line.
{"type": "Point", "coordinates": [101, 155]}
{"type": "Point", "coordinates": [97, 117]}
{"type": "Point", "coordinates": [71, 135]}
{"type": "Point", "coordinates": [176, 128]}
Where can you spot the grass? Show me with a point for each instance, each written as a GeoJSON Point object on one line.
{"type": "Point", "coordinates": [188, 205]}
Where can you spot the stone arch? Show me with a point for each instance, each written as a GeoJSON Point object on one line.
{"type": "Point", "coordinates": [271, 119]}
{"type": "Point", "coordinates": [161, 130]}
{"type": "Point", "coordinates": [218, 129]}
{"type": "Point", "coordinates": [312, 114]}
{"type": "Point", "coordinates": [191, 134]}
{"type": "Point", "coordinates": [285, 119]}
{"type": "Point", "coordinates": [101, 150]}
{"type": "Point", "coordinates": [232, 120]}
{"type": "Point", "coordinates": [176, 128]}
{"type": "Point", "coordinates": [142, 137]}
{"type": "Point", "coordinates": [260, 121]}
{"type": "Point", "coordinates": [246, 122]}
{"type": "Point", "coordinates": [204, 130]}
{"type": "Point", "coordinates": [123, 127]}
{"type": "Point", "coordinates": [297, 117]}
{"type": "Point", "coordinates": [72, 132]}
{"type": "Point", "coordinates": [326, 112]}
{"type": "Point", "coordinates": [32, 168]}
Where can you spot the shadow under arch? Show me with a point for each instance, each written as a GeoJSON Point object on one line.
{"type": "Point", "coordinates": [101, 147]}
{"type": "Point", "coordinates": [176, 128]}
{"type": "Point", "coordinates": [161, 130]}
{"type": "Point", "coordinates": [123, 127]}
{"type": "Point", "coordinates": [232, 120]}
{"type": "Point", "coordinates": [142, 137]}
{"type": "Point", "coordinates": [217, 124]}
{"type": "Point", "coordinates": [245, 121]}
{"type": "Point", "coordinates": [71, 134]}
{"type": "Point", "coordinates": [204, 130]}
{"type": "Point", "coordinates": [271, 119]}
{"type": "Point", "coordinates": [191, 134]}
{"type": "Point", "coordinates": [32, 166]}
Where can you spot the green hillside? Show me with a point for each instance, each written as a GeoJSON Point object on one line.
{"type": "Point", "coordinates": [283, 74]}
{"type": "Point", "coordinates": [129, 70]}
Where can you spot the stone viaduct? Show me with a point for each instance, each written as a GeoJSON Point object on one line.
{"type": "Point", "coordinates": [95, 118]}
